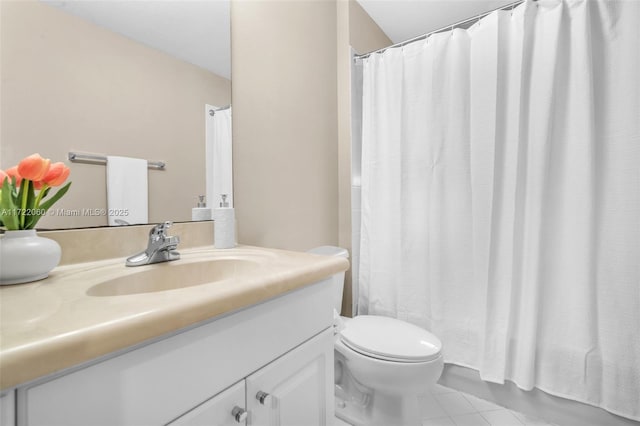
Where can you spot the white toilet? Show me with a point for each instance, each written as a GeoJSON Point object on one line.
{"type": "Point", "coordinates": [381, 364]}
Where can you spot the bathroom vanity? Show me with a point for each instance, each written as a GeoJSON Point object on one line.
{"type": "Point", "coordinates": [241, 336]}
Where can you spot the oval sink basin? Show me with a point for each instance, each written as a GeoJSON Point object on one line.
{"type": "Point", "coordinates": [173, 276]}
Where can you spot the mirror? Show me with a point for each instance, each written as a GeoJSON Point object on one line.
{"type": "Point", "coordinates": [123, 78]}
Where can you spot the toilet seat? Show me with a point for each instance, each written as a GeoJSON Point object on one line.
{"type": "Point", "coordinates": [390, 339]}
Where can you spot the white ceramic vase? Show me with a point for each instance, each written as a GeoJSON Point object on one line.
{"type": "Point", "coordinates": [26, 257]}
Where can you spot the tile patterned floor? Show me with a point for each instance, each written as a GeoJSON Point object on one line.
{"type": "Point", "coordinates": [449, 407]}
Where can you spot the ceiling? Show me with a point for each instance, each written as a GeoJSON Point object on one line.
{"type": "Point", "coordinates": [405, 19]}
{"type": "Point", "coordinates": [197, 31]}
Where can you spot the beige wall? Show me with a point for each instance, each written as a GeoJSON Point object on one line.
{"type": "Point", "coordinates": [68, 85]}
{"type": "Point", "coordinates": [283, 57]}
{"type": "Point", "coordinates": [291, 124]}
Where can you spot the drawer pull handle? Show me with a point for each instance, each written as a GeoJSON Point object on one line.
{"type": "Point", "coordinates": [264, 398]}
{"type": "Point", "coordinates": [240, 414]}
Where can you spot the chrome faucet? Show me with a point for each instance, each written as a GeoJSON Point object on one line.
{"type": "Point", "coordinates": [161, 247]}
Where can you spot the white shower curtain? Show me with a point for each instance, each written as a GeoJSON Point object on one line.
{"type": "Point", "coordinates": [219, 155]}
{"type": "Point", "coordinates": [501, 196]}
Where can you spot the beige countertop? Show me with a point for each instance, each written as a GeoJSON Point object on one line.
{"type": "Point", "coordinates": [66, 319]}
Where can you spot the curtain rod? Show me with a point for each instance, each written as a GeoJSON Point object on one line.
{"type": "Point", "coordinates": [213, 111]}
{"type": "Point", "coordinates": [448, 27]}
{"type": "Point", "coordinates": [77, 157]}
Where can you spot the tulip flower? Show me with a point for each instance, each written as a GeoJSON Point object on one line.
{"type": "Point", "coordinates": [20, 205]}
{"type": "Point", "coordinates": [56, 175]}
{"type": "Point", "coordinates": [34, 167]}
{"type": "Point", "coordinates": [13, 172]}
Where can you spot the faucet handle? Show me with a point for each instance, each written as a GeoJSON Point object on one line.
{"type": "Point", "coordinates": [159, 231]}
{"type": "Point", "coordinates": [161, 228]}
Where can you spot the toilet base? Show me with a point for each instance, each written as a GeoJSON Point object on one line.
{"type": "Point", "coordinates": [386, 404]}
{"type": "Point", "coordinates": [385, 410]}
{"type": "Point", "coordinates": [376, 409]}
{"type": "Point", "coordinates": [395, 410]}
{"type": "Point", "coordinates": [352, 402]}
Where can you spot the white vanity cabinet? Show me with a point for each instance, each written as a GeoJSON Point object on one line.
{"type": "Point", "coordinates": [283, 347]}
{"type": "Point", "coordinates": [290, 391]}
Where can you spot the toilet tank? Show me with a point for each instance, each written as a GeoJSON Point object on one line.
{"type": "Point", "coordinates": [338, 279]}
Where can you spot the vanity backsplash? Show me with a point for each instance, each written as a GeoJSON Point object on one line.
{"type": "Point", "coordinates": [93, 244]}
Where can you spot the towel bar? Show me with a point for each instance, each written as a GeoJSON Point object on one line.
{"type": "Point", "coordinates": [77, 157]}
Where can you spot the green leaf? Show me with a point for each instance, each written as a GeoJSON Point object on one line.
{"type": "Point", "coordinates": [6, 188]}
{"type": "Point", "coordinates": [47, 204]}
{"type": "Point", "coordinates": [26, 193]}
{"type": "Point", "coordinates": [14, 187]}
{"type": "Point", "coordinates": [31, 220]}
{"type": "Point", "coordinates": [15, 195]}
{"type": "Point", "coordinates": [31, 205]}
{"type": "Point", "coordinates": [46, 192]}
{"type": "Point", "coordinates": [43, 207]}
{"type": "Point", "coordinates": [8, 208]}
{"type": "Point", "coordinates": [31, 196]}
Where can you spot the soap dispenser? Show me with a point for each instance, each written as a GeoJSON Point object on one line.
{"type": "Point", "coordinates": [201, 211]}
{"type": "Point", "coordinates": [224, 226]}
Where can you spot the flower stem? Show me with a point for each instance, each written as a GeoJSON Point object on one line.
{"type": "Point", "coordinates": [23, 211]}
{"type": "Point", "coordinates": [36, 205]}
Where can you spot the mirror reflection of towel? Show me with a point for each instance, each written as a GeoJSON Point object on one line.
{"type": "Point", "coordinates": [127, 191]}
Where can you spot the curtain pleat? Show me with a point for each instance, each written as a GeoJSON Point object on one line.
{"type": "Point", "coordinates": [501, 196]}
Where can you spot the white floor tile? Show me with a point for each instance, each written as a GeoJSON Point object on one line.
{"type": "Point", "coordinates": [448, 407]}
{"type": "Point", "coordinates": [481, 404]}
{"type": "Point", "coordinates": [455, 404]}
{"type": "Point", "coordinates": [438, 389]}
{"type": "Point", "coordinates": [502, 417]}
{"type": "Point", "coordinates": [529, 420]}
{"type": "Point", "coordinates": [474, 419]}
{"type": "Point", "coordinates": [339, 422]}
{"type": "Point", "coordinates": [429, 407]}
{"type": "Point", "coordinates": [441, 421]}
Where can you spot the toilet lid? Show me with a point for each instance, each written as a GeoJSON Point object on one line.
{"type": "Point", "coordinates": [390, 339]}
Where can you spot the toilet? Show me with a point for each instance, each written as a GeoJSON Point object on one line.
{"type": "Point", "coordinates": [381, 364]}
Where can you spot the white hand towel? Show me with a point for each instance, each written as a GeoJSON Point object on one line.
{"type": "Point", "coordinates": [127, 190]}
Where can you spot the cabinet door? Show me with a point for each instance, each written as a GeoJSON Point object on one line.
{"type": "Point", "coordinates": [225, 409]}
{"type": "Point", "coordinates": [297, 388]}
{"type": "Point", "coordinates": [7, 409]}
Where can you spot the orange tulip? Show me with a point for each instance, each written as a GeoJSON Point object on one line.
{"type": "Point", "coordinates": [34, 167]}
{"type": "Point", "coordinates": [56, 175]}
{"type": "Point", "coordinates": [13, 172]}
